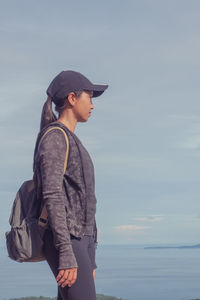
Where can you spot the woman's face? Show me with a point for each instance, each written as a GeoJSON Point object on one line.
{"type": "Point", "coordinates": [83, 106]}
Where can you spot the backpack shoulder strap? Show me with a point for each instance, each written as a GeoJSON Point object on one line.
{"type": "Point", "coordinates": [67, 143]}
{"type": "Point", "coordinates": [44, 216]}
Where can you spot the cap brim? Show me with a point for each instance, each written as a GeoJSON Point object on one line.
{"type": "Point", "coordinates": [99, 89]}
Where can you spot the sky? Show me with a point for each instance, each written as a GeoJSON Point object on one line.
{"type": "Point", "coordinates": [144, 133]}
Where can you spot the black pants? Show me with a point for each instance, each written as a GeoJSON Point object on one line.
{"type": "Point", "coordinates": [84, 251]}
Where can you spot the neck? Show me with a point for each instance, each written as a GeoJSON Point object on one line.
{"type": "Point", "coordinates": [68, 120]}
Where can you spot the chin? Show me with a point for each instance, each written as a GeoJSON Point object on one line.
{"type": "Point", "coordinates": [83, 120]}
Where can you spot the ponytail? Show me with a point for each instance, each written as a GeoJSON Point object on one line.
{"type": "Point", "coordinates": [47, 115]}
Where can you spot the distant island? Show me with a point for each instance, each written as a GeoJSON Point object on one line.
{"type": "Point", "coordinates": [175, 247]}
{"type": "Point", "coordinates": [99, 297]}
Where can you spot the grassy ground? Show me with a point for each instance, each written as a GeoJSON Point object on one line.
{"type": "Point", "coordinates": [99, 297]}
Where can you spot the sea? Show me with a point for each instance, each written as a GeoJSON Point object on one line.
{"type": "Point", "coordinates": [129, 272]}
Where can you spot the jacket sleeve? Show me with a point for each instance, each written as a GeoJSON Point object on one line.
{"type": "Point", "coordinates": [95, 234]}
{"type": "Point", "coordinates": [52, 153]}
{"type": "Point", "coordinates": [95, 243]}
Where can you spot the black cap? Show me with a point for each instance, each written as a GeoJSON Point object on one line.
{"type": "Point", "coordinates": [71, 81]}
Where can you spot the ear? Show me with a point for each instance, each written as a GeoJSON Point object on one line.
{"type": "Point", "coordinates": [71, 99]}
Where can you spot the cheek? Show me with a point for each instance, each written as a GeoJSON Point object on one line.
{"type": "Point", "coordinates": [85, 108]}
{"type": "Point", "coordinates": [82, 111]}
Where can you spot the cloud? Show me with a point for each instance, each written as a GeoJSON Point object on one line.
{"type": "Point", "coordinates": [188, 128]}
{"type": "Point", "coordinates": [128, 160]}
{"type": "Point", "coordinates": [192, 142]}
{"type": "Point", "coordinates": [184, 117]}
{"type": "Point", "coordinates": [129, 228]}
{"type": "Point", "coordinates": [150, 218]}
{"type": "Point", "coordinates": [128, 233]}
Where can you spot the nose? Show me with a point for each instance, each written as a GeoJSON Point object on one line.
{"type": "Point", "coordinates": [91, 104]}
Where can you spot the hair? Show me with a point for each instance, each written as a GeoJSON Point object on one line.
{"type": "Point", "coordinates": [47, 115]}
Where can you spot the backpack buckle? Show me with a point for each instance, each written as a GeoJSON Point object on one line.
{"type": "Point", "coordinates": [42, 222]}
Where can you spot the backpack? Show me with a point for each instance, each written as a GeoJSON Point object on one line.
{"type": "Point", "coordinates": [25, 239]}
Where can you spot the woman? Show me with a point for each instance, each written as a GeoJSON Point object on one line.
{"type": "Point", "coordinates": [70, 239]}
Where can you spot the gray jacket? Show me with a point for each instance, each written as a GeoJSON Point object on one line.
{"type": "Point", "coordinates": [65, 197]}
